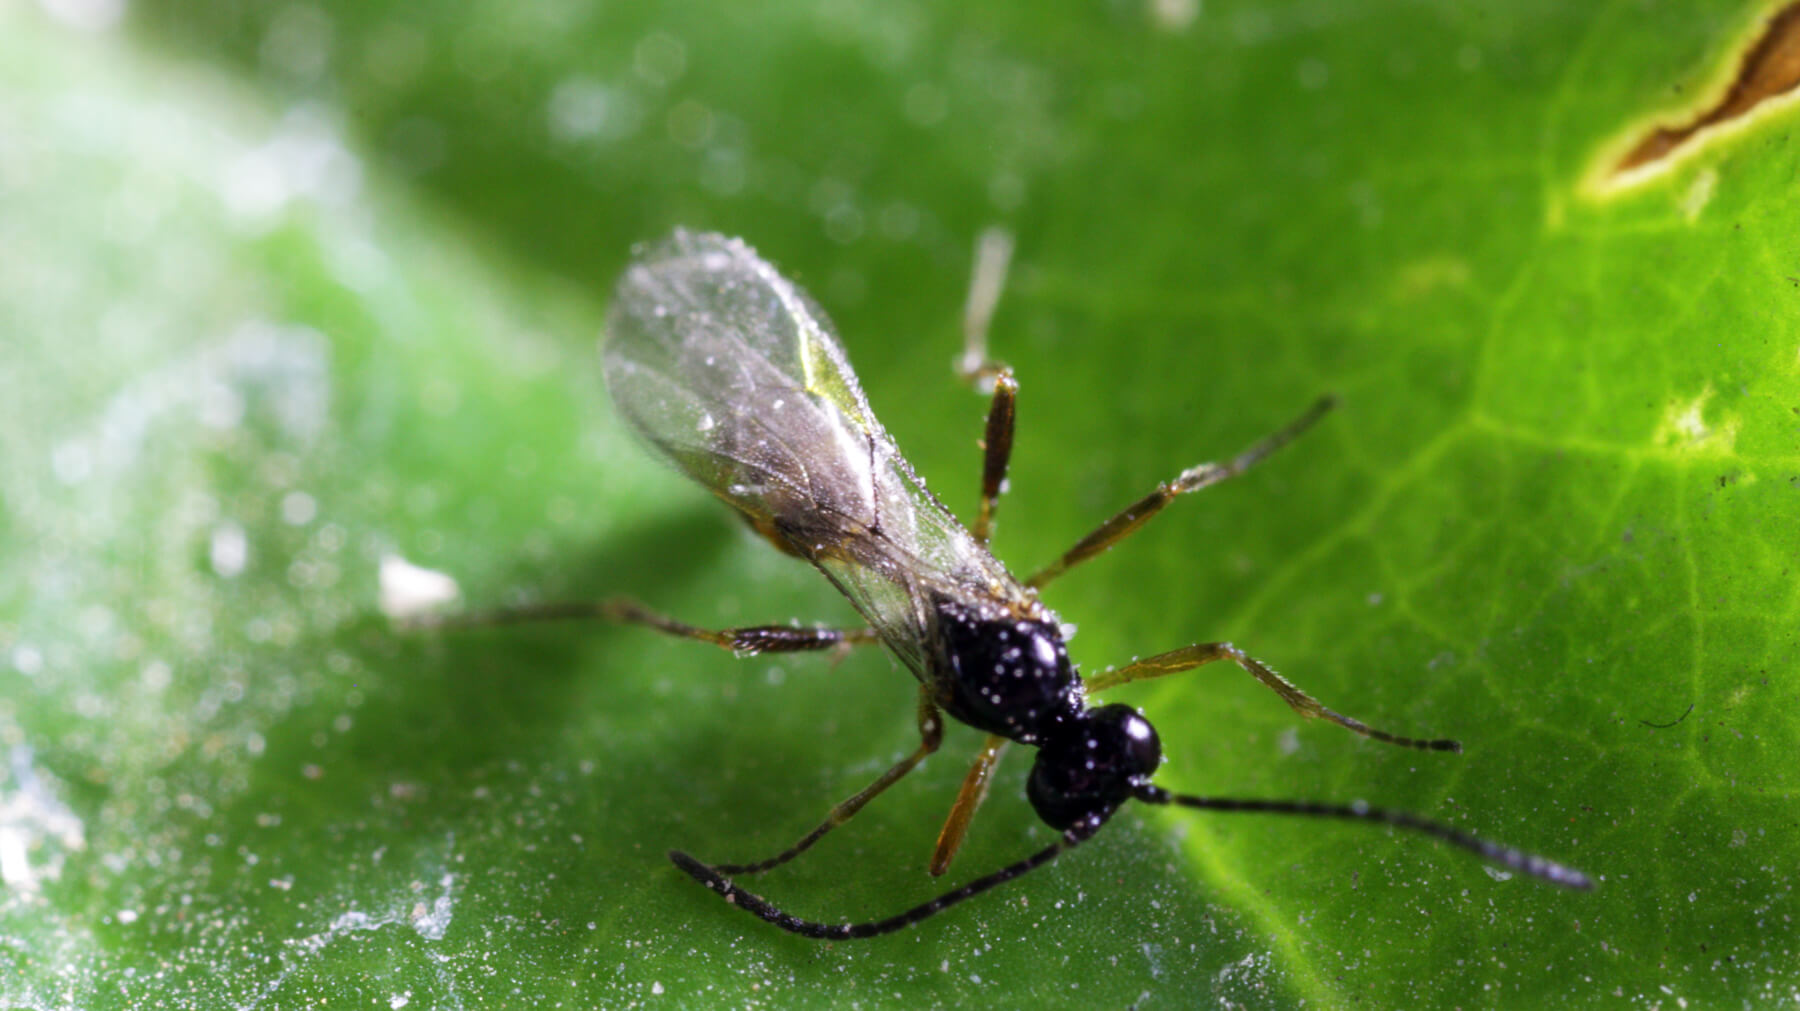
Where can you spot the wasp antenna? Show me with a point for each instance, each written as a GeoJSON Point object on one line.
{"type": "Point", "coordinates": [1505, 856]}
{"type": "Point", "coordinates": [761, 908]}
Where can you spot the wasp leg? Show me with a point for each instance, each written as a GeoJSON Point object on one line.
{"type": "Point", "coordinates": [931, 734]}
{"type": "Point", "coordinates": [1199, 654]}
{"type": "Point", "coordinates": [1193, 479]}
{"type": "Point", "coordinates": [968, 801]}
{"type": "Point", "coordinates": [742, 641]}
{"type": "Point", "coordinates": [996, 449]}
{"type": "Point", "coordinates": [993, 256]}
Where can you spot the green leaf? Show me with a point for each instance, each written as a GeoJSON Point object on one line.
{"type": "Point", "coordinates": [290, 290]}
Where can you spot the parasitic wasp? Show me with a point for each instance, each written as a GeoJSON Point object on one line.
{"type": "Point", "coordinates": [732, 373]}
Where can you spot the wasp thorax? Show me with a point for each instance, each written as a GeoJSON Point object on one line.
{"type": "Point", "coordinates": [1091, 767]}
{"type": "Point", "coordinates": [1007, 675]}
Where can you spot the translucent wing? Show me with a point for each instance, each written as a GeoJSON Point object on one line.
{"type": "Point", "coordinates": [732, 372]}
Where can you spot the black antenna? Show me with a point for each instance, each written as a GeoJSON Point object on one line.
{"type": "Point", "coordinates": [760, 907]}
{"type": "Point", "coordinates": [1505, 856]}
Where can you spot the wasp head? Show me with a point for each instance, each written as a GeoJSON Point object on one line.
{"type": "Point", "coordinates": [1092, 766]}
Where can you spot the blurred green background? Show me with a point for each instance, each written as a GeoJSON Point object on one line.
{"type": "Point", "coordinates": [289, 288]}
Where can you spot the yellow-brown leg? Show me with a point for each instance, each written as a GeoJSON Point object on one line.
{"type": "Point", "coordinates": [745, 641]}
{"type": "Point", "coordinates": [1193, 479]}
{"type": "Point", "coordinates": [993, 254]}
{"type": "Point", "coordinates": [996, 448]}
{"type": "Point", "coordinates": [968, 801]}
{"type": "Point", "coordinates": [1189, 657]}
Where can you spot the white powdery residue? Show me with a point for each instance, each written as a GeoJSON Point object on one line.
{"type": "Point", "coordinates": [350, 922]}
{"type": "Point", "coordinates": [1153, 956]}
{"type": "Point", "coordinates": [15, 859]}
{"type": "Point", "coordinates": [409, 591]}
{"type": "Point", "coordinates": [298, 508]}
{"type": "Point", "coordinates": [70, 463]}
{"type": "Point", "coordinates": [430, 920]}
{"type": "Point", "coordinates": [32, 818]}
{"type": "Point", "coordinates": [262, 369]}
{"type": "Point", "coordinates": [1246, 971]}
{"type": "Point", "coordinates": [230, 550]}
{"type": "Point", "coordinates": [86, 15]}
{"type": "Point", "coordinates": [581, 109]}
{"type": "Point", "coordinates": [1288, 741]}
{"type": "Point", "coordinates": [27, 659]}
{"type": "Point", "coordinates": [1174, 15]}
{"type": "Point", "coordinates": [1691, 422]}
{"type": "Point", "coordinates": [1686, 427]}
{"type": "Point", "coordinates": [284, 370]}
{"type": "Point", "coordinates": [303, 160]}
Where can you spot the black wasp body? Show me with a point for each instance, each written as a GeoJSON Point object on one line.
{"type": "Point", "coordinates": [1011, 677]}
{"type": "Point", "coordinates": [732, 373]}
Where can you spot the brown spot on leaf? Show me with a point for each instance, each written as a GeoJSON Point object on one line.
{"type": "Point", "coordinates": [1770, 68]}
